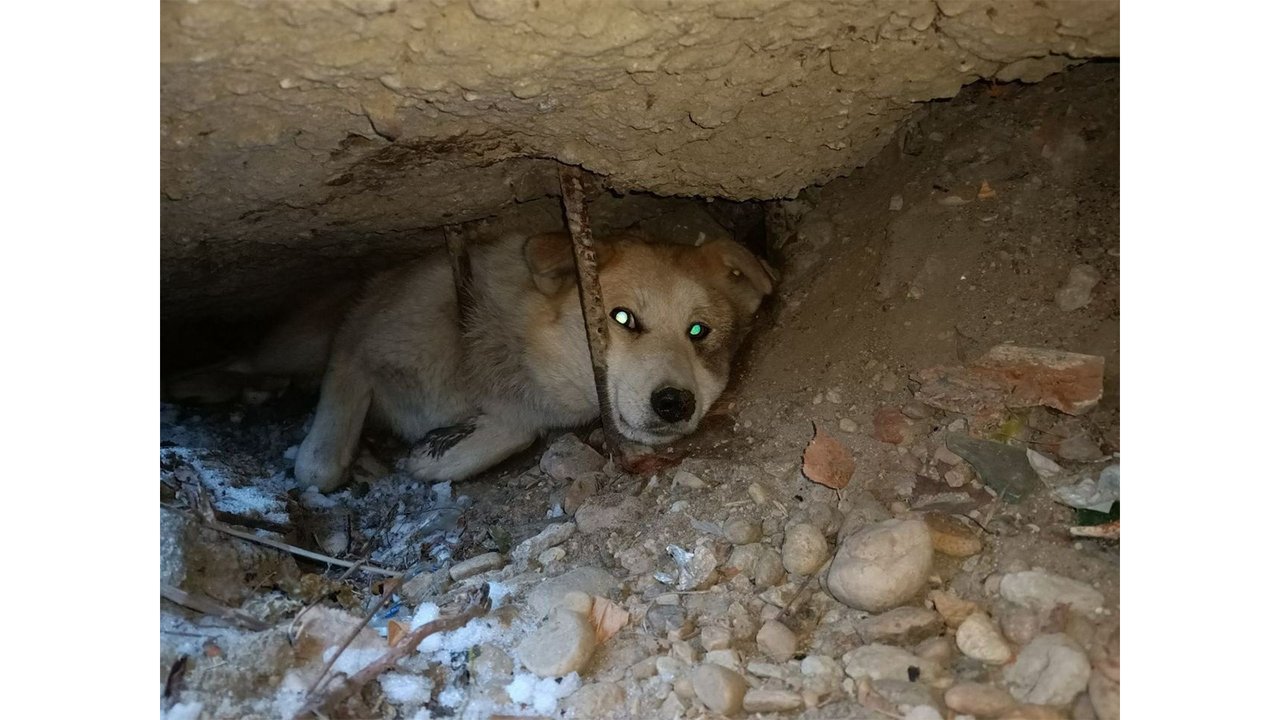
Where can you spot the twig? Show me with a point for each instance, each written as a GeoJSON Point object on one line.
{"type": "Point", "coordinates": [591, 298]}
{"type": "Point", "coordinates": [800, 591]}
{"type": "Point", "coordinates": [1105, 531]}
{"type": "Point", "coordinates": [209, 606]}
{"type": "Point", "coordinates": [351, 636]}
{"type": "Point", "coordinates": [350, 685]}
{"type": "Point", "coordinates": [295, 550]}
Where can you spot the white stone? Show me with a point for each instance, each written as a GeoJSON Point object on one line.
{"type": "Point", "coordinates": [1050, 670]}
{"type": "Point", "coordinates": [561, 645]}
{"type": "Point", "coordinates": [719, 688]}
{"type": "Point", "coordinates": [882, 565]}
{"type": "Point", "coordinates": [804, 550]}
{"type": "Point", "coordinates": [978, 638]}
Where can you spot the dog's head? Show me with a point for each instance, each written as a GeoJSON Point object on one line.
{"type": "Point", "coordinates": [677, 315]}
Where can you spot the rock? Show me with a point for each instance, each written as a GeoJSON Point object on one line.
{"type": "Point", "coordinates": [882, 566]}
{"type": "Point", "coordinates": [742, 531]}
{"type": "Point", "coordinates": [804, 550]}
{"type": "Point", "coordinates": [758, 494]}
{"type": "Point", "coordinates": [978, 700]}
{"type": "Point", "coordinates": [825, 516]}
{"type": "Point", "coordinates": [719, 688]}
{"type": "Point", "coordinates": [1020, 624]}
{"type": "Point", "coordinates": [890, 425]}
{"type": "Point", "coordinates": [1031, 712]}
{"type": "Point", "coordinates": [979, 639]}
{"type": "Point", "coordinates": [579, 490]}
{"type": "Point", "coordinates": [895, 203]}
{"type": "Point", "coordinates": [608, 512]}
{"type": "Point", "coordinates": [476, 565]}
{"type": "Point", "coordinates": [1104, 695]}
{"type": "Point", "coordinates": [761, 564]}
{"type": "Point", "coordinates": [956, 477]}
{"type": "Point", "coordinates": [596, 700]}
{"type": "Point", "coordinates": [922, 712]}
{"type": "Point", "coordinates": [953, 609]}
{"type": "Point", "coordinates": [568, 457]}
{"type": "Point", "coordinates": [1042, 592]}
{"type": "Point", "coordinates": [763, 701]}
{"type": "Point", "coordinates": [684, 478]}
{"type": "Point", "coordinates": [885, 662]}
{"type": "Point", "coordinates": [666, 618]}
{"type": "Point", "coordinates": [1077, 291]}
{"type": "Point", "coordinates": [946, 457]}
{"type": "Point", "coordinates": [549, 593]}
{"type": "Point", "coordinates": [668, 667]}
{"type": "Point", "coordinates": [715, 637]}
{"type": "Point", "coordinates": [952, 537]}
{"type": "Point", "coordinates": [1046, 468]}
{"type": "Point", "coordinates": [729, 658]}
{"type": "Point", "coordinates": [1050, 670]}
{"type": "Point", "coordinates": [491, 663]}
{"type": "Point", "coordinates": [1079, 448]}
{"type": "Point", "coordinates": [849, 426]}
{"type": "Point", "coordinates": [1009, 376]}
{"type": "Point", "coordinates": [916, 410]}
{"type": "Point", "coordinates": [776, 641]}
{"type": "Point", "coordinates": [901, 626]}
{"type": "Point", "coordinates": [551, 536]}
{"type": "Point", "coordinates": [820, 666]}
{"type": "Point", "coordinates": [563, 644]}
{"type": "Point", "coordinates": [937, 649]}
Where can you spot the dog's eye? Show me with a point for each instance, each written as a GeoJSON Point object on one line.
{"type": "Point", "coordinates": [698, 331]}
{"type": "Point", "coordinates": [623, 317]}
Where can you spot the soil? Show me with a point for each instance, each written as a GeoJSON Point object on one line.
{"type": "Point", "coordinates": [952, 241]}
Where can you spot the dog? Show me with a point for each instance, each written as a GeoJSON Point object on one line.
{"type": "Point", "coordinates": [471, 390]}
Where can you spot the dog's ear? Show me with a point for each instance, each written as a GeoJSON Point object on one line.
{"type": "Point", "coordinates": [748, 278]}
{"type": "Point", "coordinates": [550, 260]}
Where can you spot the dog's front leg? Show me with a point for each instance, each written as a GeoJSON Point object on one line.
{"type": "Point", "coordinates": [460, 451]}
{"type": "Point", "coordinates": [327, 450]}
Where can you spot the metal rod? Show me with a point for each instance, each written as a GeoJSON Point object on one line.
{"type": "Point", "coordinates": [591, 298]}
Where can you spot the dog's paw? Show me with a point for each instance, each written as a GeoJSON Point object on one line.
{"type": "Point", "coordinates": [318, 472]}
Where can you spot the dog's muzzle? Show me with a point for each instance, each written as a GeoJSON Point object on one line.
{"type": "Point", "coordinates": [673, 405]}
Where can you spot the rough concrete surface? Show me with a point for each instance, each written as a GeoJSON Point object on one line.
{"type": "Point", "coordinates": [353, 128]}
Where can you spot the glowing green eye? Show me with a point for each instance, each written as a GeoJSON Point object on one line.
{"type": "Point", "coordinates": [623, 317]}
{"type": "Point", "coordinates": [697, 331]}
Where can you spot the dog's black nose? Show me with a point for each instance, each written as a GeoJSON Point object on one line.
{"type": "Point", "coordinates": [673, 404]}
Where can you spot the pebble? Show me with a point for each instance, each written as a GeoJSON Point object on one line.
{"type": "Point", "coordinates": [715, 637]}
{"type": "Point", "coordinates": [882, 566]}
{"type": "Point", "coordinates": [901, 626]}
{"type": "Point", "coordinates": [953, 609]}
{"type": "Point", "coordinates": [669, 667]}
{"type": "Point", "coordinates": [579, 490]}
{"type": "Point", "coordinates": [885, 662]}
{"type": "Point", "coordinates": [742, 531]}
{"type": "Point", "coordinates": [1104, 695]}
{"type": "Point", "coordinates": [595, 700]}
{"type": "Point", "coordinates": [665, 618]}
{"type": "Point", "coordinates": [825, 516]}
{"type": "Point", "coordinates": [719, 688]}
{"type": "Point", "coordinates": [804, 550]}
{"type": "Point", "coordinates": [952, 537]}
{"type": "Point", "coordinates": [937, 649]}
{"type": "Point", "coordinates": [977, 699]}
{"type": "Point", "coordinates": [979, 639]}
{"type": "Point", "coordinates": [1050, 670]}
{"type": "Point", "coordinates": [608, 512]}
{"type": "Point", "coordinates": [946, 457]}
{"type": "Point", "coordinates": [568, 457]}
{"type": "Point", "coordinates": [729, 658]}
{"type": "Point", "coordinates": [1046, 468]}
{"type": "Point", "coordinates": [476, 565]}
{"type": "Point", "coordinates": [1042, 592]}
{"type": "Point", "coordinates": [1020, 624]}
{"type": "Point", "coordinates": [551, 536]}
{"type": "Point", "coordinates": [763, 565]}
{"type": "Point", "coordinates": [762, 701]}
{"type": "Point", "coordinates": [758, 494]}
{"type": "Point", "coordinates": [561, 645]}
{"type": "Point", "coordinates": [956, 477]}
{"type": "Point", "coordinates": [688, 479]}
{"type": "Point", "coordinates": [895, 203]}
{"type": "Point", "coordinates": [1077, 291]}
{"type": "Point", "coordinates": [849, 426]}
{"type": "Point", "coordinates": [549, 593]}
{"type": "Point", "coordinates": [776, 641]}
{"type": "Point", "coordinates": [917, 410]}
{"type": "Point", "coordinates": [820, 666]}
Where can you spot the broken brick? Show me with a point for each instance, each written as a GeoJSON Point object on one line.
{"type": "Point", "coordinates": [1009, 376]}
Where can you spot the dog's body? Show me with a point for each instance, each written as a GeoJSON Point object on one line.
{"type": "Point", "coordinates": [471, 391]}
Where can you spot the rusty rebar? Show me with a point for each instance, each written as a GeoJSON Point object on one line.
{"type": "Point", "coordinates": [591, 298]}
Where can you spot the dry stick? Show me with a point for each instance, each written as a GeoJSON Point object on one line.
{"type": "Point", "coordinates": [299, 551]}
{"type": "Point", "coordinates": [209, 606]}
{"type": "Point", "coordinates": [591, 298]}
{"type": "Point", "coordinates": [351, 636]}
{"type": "Point", "coordinates": [351, 685]}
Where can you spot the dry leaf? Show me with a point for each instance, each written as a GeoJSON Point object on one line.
{"type": "Point", "coordinates": [985, 192]}
{"type": "Point", "coordinates": [395, 631]}
{"type": "Point", "coordinates": [607, 617]}
{"type": "Point", "coordinates": [826, 461]}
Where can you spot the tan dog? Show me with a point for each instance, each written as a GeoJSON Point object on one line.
{"type": "Point", "coordinates": [471, 394]}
